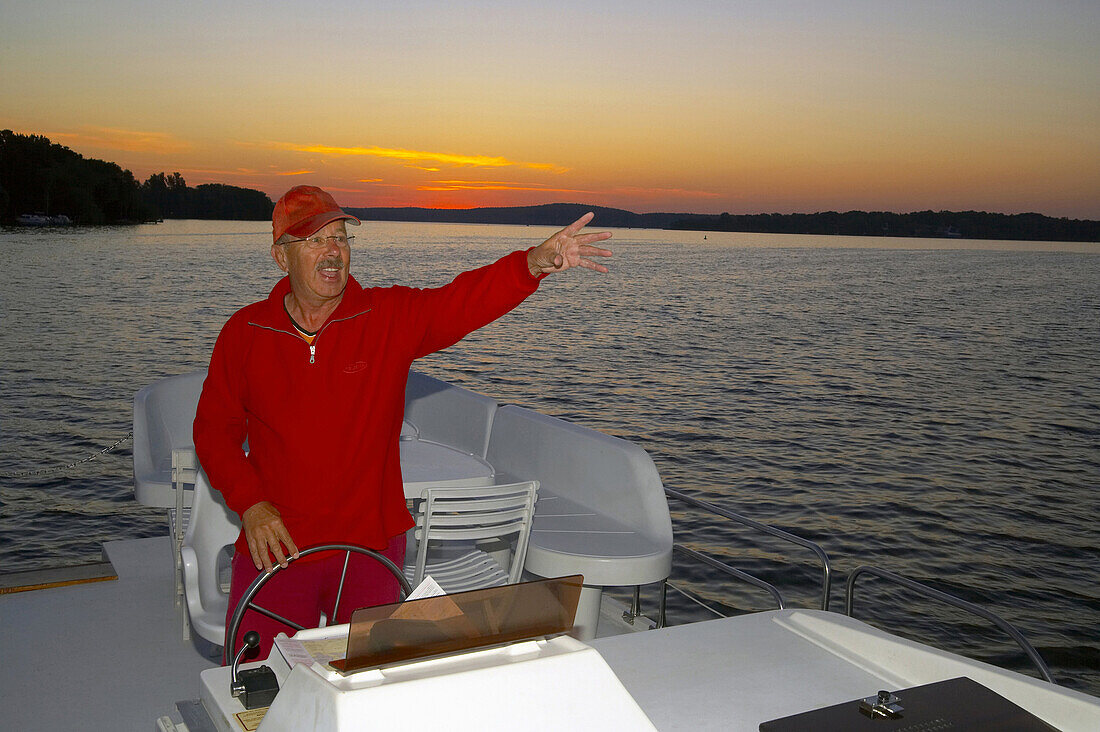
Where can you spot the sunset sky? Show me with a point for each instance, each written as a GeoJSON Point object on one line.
{"type": "Point", "coordinates": [681, 106]}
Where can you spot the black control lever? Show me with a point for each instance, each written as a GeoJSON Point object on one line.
{"type": "Point", "coordinates": [255, 687]}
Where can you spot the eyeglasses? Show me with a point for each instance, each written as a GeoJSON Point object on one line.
{"type": "Point", "coordinates": [319, 242]}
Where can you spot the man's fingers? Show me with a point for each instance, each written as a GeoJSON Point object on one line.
{"type": "Point", "coordinates": [266, 544]}
{"type": "Point", "coordinates": [591, 251]}
{"type": "Point", "coordinates": [266, 536]}
{"type": "Point", "coordinates": [255, 552]}
{"type": "Point", "coordinates": [283, 537]}
{"type": "Point", "coordinates": [577, 225]}
{"type": "Point", "coordinates": [276, 542]}
{"type": "Point", "coordinates": [592, 265]}
{"type": "Point", "coordinates": [261, 557]}
{"type": "Point", "coordinates": [292, 550]}
{"type": "Point", "coordinates": [568, 248]}
{"type": "Point", "coordinates": [277, 550]}
{"type": "Point", "coordinates": [586, 239]}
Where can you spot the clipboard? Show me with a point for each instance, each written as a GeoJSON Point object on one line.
{"type": "Point", "coordinates": [958, 705]}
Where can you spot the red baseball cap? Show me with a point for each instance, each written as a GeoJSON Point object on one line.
{"type": "Point", "coordinates": [304, 210]}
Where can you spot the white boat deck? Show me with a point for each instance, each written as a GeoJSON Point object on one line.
{"type": "Point", "coordinates": [111, 656]}
{"type": "Point", "coordinates": [734, 673]}
{"type": "Point", "coordinates": [102, 656]}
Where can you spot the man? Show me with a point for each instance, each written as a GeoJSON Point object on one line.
{"type": "Point", "coordinates": [311, 382]}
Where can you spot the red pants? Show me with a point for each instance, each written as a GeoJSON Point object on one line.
{"type": "Point", "coordinates": [306, 589]}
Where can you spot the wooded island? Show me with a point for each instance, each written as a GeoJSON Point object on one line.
{"type": "Point", "coordinates": [41, 177]}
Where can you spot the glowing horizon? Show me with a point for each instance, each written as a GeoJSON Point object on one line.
{"type": "Point", "coordinates": [742, 107]}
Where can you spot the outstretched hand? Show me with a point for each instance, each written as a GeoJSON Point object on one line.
{"type": "Point", "coordinates": [567, 249]}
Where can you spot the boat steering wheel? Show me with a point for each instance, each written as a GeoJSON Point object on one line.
{"type": "Point", "coordinates": [246, 601]}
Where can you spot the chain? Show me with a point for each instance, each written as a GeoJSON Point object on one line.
{"type": "Point", "coordinates": [58, 468]}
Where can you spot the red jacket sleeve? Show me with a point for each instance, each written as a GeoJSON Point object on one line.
{"type": "Point", "coordinates": [472, 300]}
{"type": "Point", "coordinates": [221, 423]}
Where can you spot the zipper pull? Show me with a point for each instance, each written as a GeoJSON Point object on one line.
{"type": "Point", "coordinates": [312, 352]}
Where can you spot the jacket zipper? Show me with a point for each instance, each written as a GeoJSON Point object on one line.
{"type": "Point", "coordinates": [313, 345]}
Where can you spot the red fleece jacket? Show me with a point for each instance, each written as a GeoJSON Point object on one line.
{"type": "Point", "coordinates": [323, 423]}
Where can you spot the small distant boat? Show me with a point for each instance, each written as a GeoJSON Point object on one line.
{"type": "Point", "coordinates": [41, 219]}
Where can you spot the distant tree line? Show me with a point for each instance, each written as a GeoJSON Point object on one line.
{"type": "Point", "coordinates": [39, 176]}
{"type": "Point", "coordinates": [546, 214]}
{"type": "Point", "coordinates": [170, 196]}
{"type": "Point", "coordinates": [943, 224]}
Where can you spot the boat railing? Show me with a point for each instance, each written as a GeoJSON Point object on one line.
{"type": "Point", "coordinates": [826, 568]}
{"type": "Point", "coordinates": [635, 610]}
{"type": "Point", "coordinates": [917, 587]}
{"type": "Point", "coordinates": [932, 593]}
{"type": "Point", "coordinates": [712, 562]}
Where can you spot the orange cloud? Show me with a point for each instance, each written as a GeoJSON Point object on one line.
{"type": "Point", "coordinates": [211, 171]}
{"type": "Point", "coordinates": [244, 172]}
{"type": "Point", "coordinates": [468, 185]}
{"type": "Point", "coordinates": [421, 156]}
{"type": "Point", "coordinates": [547, 166]}
{"type": "Point", "coordinates": [376, 182]}
{"type": "Point", "coordinates": [114, 138]}
{"type": "Point", "coordinates": [363, 190]}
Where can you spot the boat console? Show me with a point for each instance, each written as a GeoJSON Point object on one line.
{"type": "Point", "coordinates": [495, 658]}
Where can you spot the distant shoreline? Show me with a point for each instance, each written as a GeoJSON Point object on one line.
{"type": "Point", "coordinates": [960, 226]}
{"type": "Point", "coordinates": [923, 224]}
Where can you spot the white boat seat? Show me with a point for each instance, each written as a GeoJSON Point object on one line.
{"type": "Point", "coordinates": [605, 515]}
{"type": "Point", "coordinates": [602, 509]}
{"type": "Point", "coordinates": [469, 570]}
{"type": "Point", "coordinates": [568, 538]}
{"type": "Point", "coordinates": [213, 528]}
{"type": "Point", "coordinates": [449, 414]}
{"type": "Point", "coordinates": [164, 414]}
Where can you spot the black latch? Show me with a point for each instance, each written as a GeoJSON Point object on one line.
{"type": "Point", "coordinates": [883, 706]}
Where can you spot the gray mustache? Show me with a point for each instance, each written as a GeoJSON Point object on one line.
{"type": "Point", "coordinates": [326, 263]}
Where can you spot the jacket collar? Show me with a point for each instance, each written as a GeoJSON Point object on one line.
{"type": "Point", "coordinates": [272, 314]}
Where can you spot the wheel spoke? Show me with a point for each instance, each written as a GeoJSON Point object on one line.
{"type": "Point", "coordinates": [340, 589]}
{"type": "Point", "coordinates": [275, 616]}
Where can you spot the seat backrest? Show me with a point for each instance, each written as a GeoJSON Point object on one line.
{"type": "Point", "coordinates": [212, 528]}
{"type": "Point", "coordinates": [164, 415]}
{"type": "Point", "coordinates": [609, 475]}
{"type": "Point", "coordinates": [486, 512]}
{"type": "Point", "coordinates": [449, 414]}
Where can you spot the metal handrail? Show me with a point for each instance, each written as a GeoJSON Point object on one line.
{"type": "Point", "coordinates": [935, 594]}
{"type": "Point", "coordinates": [778, 533]}
{"type": "Point", "coordinates": [744, 576]}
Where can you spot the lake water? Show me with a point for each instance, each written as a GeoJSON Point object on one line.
{"type": "Point", "coordinates": [928, 406]}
